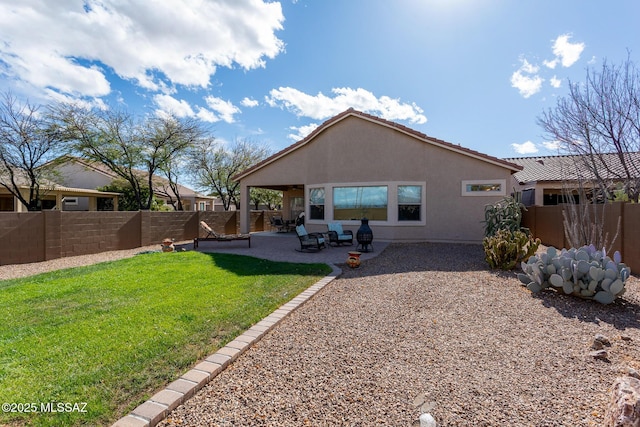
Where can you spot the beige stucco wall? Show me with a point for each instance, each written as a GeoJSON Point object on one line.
{"type": "Point", "coordinates": [75, 175]}
{"type": "Point", "coordinates": [356, 151]}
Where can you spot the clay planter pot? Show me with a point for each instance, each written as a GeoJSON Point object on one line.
{"type": "Point", "coordinates": [353, 260]}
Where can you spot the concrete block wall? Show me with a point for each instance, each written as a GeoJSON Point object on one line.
{"type": "Point", "coordinates": [157, 226]}
{"type": "Point", "coordinates": [22, 237]}
{"type": "Point", "coordinates": [40, 236]}
{"type": "Point", "coordinates": [84, 233]}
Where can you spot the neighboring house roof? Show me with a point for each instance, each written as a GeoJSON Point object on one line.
{"type": "Point", "coordinates": [573, 167]}
{"type": "Point", "coordinates": [185, 192]}
{"type": "Point", "coordinates": [383, 122]}
{"type": "Point", "coordinates": [47, 185]}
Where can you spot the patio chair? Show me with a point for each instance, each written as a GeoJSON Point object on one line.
{"type": "Point", "coordinates": [309, 241]}
{"type": "Point", "coordinates": [280, 225]}
{"type": "Point", "coordinates": [337, 235]}
{"type": "Point", "coordinates": [213, 236]}
{"type": "Point", "coordinates": [272, 223]}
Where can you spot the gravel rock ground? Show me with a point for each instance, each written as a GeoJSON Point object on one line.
{"type": "Point", "coordinates": [422, 327]}
{"type": "Point", "coordinates": [426, 327]}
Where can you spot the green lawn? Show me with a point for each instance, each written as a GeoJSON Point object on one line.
{"type": "Point", "coordinates": [111, 334]}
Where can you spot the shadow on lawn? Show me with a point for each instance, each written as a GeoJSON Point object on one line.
{"type": "Point", "coordinates": [621, 314]}
{"type": "Point", "coordinates": [244, 265]}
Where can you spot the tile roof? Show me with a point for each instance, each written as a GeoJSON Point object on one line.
{"type": "Point", "coordinates": [401, 128]}
{"type": "Point", "coordinates": [158, 180]}
{"type": "Point", "coordinates": [573, 167]}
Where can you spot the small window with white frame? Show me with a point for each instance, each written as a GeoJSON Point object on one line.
{"type": "Point", "coordinates": [493, 187]}
{"type": "Point", "coordinates": [70, 201]}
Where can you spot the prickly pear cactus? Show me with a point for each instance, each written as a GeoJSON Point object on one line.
{"type": "Point", "coordinates": [505, 249]}
{"type": "Point", "coordinates": [584, 272]}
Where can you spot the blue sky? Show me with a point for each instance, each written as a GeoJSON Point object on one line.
{"type": "Point", "coordinates": [475, 73]}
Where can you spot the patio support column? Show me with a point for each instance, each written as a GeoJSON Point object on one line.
{"type": "Point", "coordinates": [245, 208]}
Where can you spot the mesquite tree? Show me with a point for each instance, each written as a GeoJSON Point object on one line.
{"type": "Point", "coordinates": [599, 117]}
{"type": "Point", "coordinates": [28, 146]}
{"type": "Point", "coordinates": [213, 166]}
{"type": "Point", "coordinates": [134, 149]}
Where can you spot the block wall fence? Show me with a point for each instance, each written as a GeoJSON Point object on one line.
{"type": "Point", "coordinates": [41, 236]}
{"type": "Point", "coordinates": [546, 223]}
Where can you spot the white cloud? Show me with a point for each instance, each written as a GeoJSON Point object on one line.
{"type": "Point", "coordinates": [551, 145]}
{"type": "Point", "coordinates": [526, 67]}
{"type": "Point", "coordinates": [248, 102]}
{"type": "Point", "coordinates": [566, 52]}
{"type": "Point", "coordinates": [320, 106]}
{"type": "Point", "coordinates": [218, 109]}
{"type": "Point", "coordinates": [526, 80]}
{"type": "Point", "coordinates": [302, 131]}
{"type": "Point", "coordinates": [555, 82]}
{"type": "Point", "coordinates": [155, 44]}
{"type": "Point", "coordinates": [167, 104]}
{"type": "Point", "coordinates": [525, 148]}
{"type": "Point", "coordinates": [225, 109]}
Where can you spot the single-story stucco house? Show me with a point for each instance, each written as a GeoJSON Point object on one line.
{"type": "Point", "coordinates": [82, 173]}
{"type": "Point", "coordinates": [55, 196]}
{"type": "Point", "coordinates": [410, 186]}
{"type": "Point", "coordinates": [546, 180]}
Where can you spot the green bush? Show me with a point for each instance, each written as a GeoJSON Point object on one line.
{"type": "Point", "coordinates": [506, 248]}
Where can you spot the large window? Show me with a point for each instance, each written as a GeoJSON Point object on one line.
{"type": "Point", "coordinates": [409, 202]}
{"type": "Point", "coordinates": [353, 203]}
{"type": "Point", "coordinates": [316, 203]}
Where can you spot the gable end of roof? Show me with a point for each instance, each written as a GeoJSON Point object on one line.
{"type": "Point", "coordinates": [383, 122]}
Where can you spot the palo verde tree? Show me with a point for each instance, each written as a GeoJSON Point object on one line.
{"type": "Point", "coordinates": [28, 147]}
{"type": "Point", "coordinates": [134, 149]}
{"type": "Point", "coordinates": [601, 117]}
{"type": "Point", "coordinates": [213, 166]}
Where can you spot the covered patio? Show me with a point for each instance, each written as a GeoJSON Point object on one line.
{"type": "Point", "coordinates": [283, 247]}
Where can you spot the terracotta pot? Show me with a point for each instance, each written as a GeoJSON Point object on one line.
{"type": "Point", "coordinates": [353, 260]}
{"type": "Point", "coordinates": [167, 245]}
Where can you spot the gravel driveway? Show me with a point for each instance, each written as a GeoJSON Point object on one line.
{"type": "Point", "coordinates": [426, 327]}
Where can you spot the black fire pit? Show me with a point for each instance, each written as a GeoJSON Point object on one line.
{"type": "Point", "coordinates": [364, 236]}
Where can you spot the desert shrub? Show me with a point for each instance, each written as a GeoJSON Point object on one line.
{"type": "Point", "coordinates": [506, 243]}
{"type": "Point", "coordinates": [506, 248]}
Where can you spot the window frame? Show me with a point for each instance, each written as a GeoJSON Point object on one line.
{"type": "Point", "coordinates": [308, 215]}
{"type": "Point", "coordinates": [363, 209]}
{"type": "Point", "coordinates": [420, 204]}
{"type": "Point", "coordinates": [477, 193]}
{"type": "Point", "coordinates": [392, 203]}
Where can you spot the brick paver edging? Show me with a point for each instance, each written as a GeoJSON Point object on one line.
{"type": "Point", "coordinates": [162, 403]}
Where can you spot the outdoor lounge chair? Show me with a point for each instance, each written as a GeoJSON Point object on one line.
{"type": "Point", "coordinates": [337, 235]}
{"type": "Point", "coordinates": [213, 236]}
{"type": "Point", "coordinates": [309, 241]}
